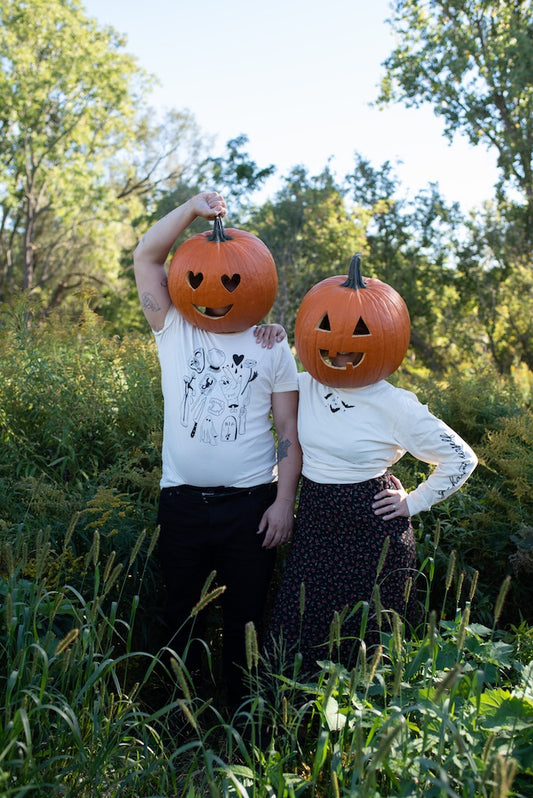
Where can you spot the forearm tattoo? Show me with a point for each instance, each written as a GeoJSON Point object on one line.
{"type": "Point", "coordinates": [149, 302]}
{"type": "Point", "coordinates": [283, 448]}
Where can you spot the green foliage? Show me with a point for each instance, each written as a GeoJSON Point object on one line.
{"type": "Point", "coordinates": [495, 284]}
{"type": "Point", "coordinates": [236, 176]}
{"type": "Point", "coordinates": [474, 402]}
{"type": "Point", "coordinates": [444, 709]}
{"type": "Point", "coordinates": [91, 704]}
{"type": "Point", "coordinates": [420, 717]}
{"type": "Point", "coordinates": [77, 404]}
{"type": "Point", "coordinates": [79, 151]}
{"type": "Point", "coordinates": [487, 524]}
{"type": "Point", "coordinates": [80, 429]}
{"type": "Point", "coordinates": [409, 246]}
{"type": "Point", "coordinates": [311, 234]}
{"type": "Point", "coordinates": [68, 727]}
{"type": "Point", "coordinates": [472, 61]}
{"type": "Point", "coordinates": [67, 101]}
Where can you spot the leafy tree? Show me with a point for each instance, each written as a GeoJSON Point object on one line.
{"type": "Point", "coordinates": [161, 169]}
{"type": "Point", "coordinates": [76, 155]}
{"type": "Point", "coordinates": [409, 246]}
{"type": "Point", "coordinates": [472, 60]}
{"type": "Point", "coordinates": [64, 97]}
{"type": "Point", "coordinates": [165, 151]}
{"type": "Point", "coordinates": [312, 234]}
{"type": "Point", "coordinates": [495, 279]}
{"type": "Point", "coordinates": [236, 175]}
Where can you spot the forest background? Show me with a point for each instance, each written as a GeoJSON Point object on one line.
{"type": "Point", "coordinates": [86, 166]}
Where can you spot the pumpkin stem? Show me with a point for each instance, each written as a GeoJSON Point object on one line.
{"type": "Point", "coordinates": [218, 234]}
{"type": "Point", "coordinates": [355, 279]}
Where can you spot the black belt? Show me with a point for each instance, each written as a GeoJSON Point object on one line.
{"type": "Point", "coordinates": [208, 493]}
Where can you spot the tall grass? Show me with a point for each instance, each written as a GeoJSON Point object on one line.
{"type": "Point", "coordinates": [443, 710]}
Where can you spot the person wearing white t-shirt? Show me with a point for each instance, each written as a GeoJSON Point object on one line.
{"type": "Point", "coordinates": [227, 493]}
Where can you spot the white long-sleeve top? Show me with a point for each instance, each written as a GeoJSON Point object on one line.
{"type": "Point", "coordinates": [355, 434]}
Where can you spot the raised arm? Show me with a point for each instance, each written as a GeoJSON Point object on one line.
{"type": "Point", "coordinates": [152, 252]}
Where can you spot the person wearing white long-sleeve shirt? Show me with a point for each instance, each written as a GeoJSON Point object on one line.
{"type": "Point", "coordinates": [350, 504]}
{"type": "Point", "coordinates": [355, 434]}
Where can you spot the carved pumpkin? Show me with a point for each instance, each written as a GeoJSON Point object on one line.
{"type": "Point", "coordinates": [231, 271]}
{"type": "Point", "coordinates": [361, 324]}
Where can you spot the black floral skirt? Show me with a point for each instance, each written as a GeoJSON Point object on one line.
{"type": "Point", "coordinates": [331, 571]}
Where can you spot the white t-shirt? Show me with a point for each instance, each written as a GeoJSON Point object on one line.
{"type": "Point", "coordinates": [217, 392]}
{"type": "Point", "coordinates": [351, 435]}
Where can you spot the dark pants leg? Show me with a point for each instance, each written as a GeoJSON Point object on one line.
{"type": "Point", "coordinates": [185, 563]}
{"type": "Point", "coordinates": [197, 537]}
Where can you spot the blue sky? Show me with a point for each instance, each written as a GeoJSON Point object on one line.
{"type": "Point", "coordinates": [298, 79]}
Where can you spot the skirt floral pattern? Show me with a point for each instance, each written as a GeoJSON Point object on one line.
{"type": "Point", "coordinates": [336, 549]}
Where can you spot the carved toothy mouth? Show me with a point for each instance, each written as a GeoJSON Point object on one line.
{"type": "Point", "coordinates": [340, 360]}
{"type": "Point", "coordinates": [213, 313]}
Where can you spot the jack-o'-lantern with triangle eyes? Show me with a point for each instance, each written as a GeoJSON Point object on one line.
{"type": "Point", "coordinates": [223, 281]}
{"type": "Point", "coordinates": [351, 332]}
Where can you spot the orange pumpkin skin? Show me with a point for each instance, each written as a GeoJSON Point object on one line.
{"type": "Point", "coordinates": [200, 273]}
{"type": "Point", "coordinates": [371, 319]}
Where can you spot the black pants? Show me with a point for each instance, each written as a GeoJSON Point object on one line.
{"type": "Point", "coordinates": [200, 533]}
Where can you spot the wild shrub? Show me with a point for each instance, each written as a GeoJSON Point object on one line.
{"type": "Point", "coordinates": [487, 524]}
{"type": "Point", "coordinates": [75, 402]}
{"type": "Point", "coordinates": [80, 427]}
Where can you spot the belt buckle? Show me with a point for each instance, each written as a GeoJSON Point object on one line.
{"type": "Point", "coordinates": [207, 494]}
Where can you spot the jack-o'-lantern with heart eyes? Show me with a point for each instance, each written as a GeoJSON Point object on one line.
{"type": "Point", "coordinates": [223, 281]}
{"type": "Point", "coordinates": [351, 332]}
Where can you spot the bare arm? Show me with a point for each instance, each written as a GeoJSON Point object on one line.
{"type": "Point", "coordinates": [268, 334]}
{"type": "Point", "coordinates": [152, 252]}
{"type": "Point", "coordinates": [279, 518]}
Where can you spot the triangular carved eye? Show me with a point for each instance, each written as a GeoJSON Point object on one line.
{"type": "Point", "coordinates": [324, 323]}
{"type": "Point", "coordinates": [194, 280]}
{"type": "Point", "coordinates": [230, 283]}
{"type": "Point", "coordinates": [361, 328]}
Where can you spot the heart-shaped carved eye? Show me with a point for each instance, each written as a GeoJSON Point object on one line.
{"type": "Point", "coordinates": [194, 280]}
{"type": "Point", "coordinates": [230, 283]}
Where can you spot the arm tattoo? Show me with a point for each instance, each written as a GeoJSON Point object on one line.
{"type": "Point", "coordinates": [149, 302]}
{"type": "Point", "coordinates": [283, 448]}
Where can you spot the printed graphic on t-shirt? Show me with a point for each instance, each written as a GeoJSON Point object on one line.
{"type": "Point", "coordinates": [334, 402]}
{"type": "Point", "coordinates": [216, 395]}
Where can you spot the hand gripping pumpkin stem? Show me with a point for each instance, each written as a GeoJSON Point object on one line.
{"type": "Point", "coordinates": [218, 234]}
{"type": "Point", "coordinates": [355, 279]}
